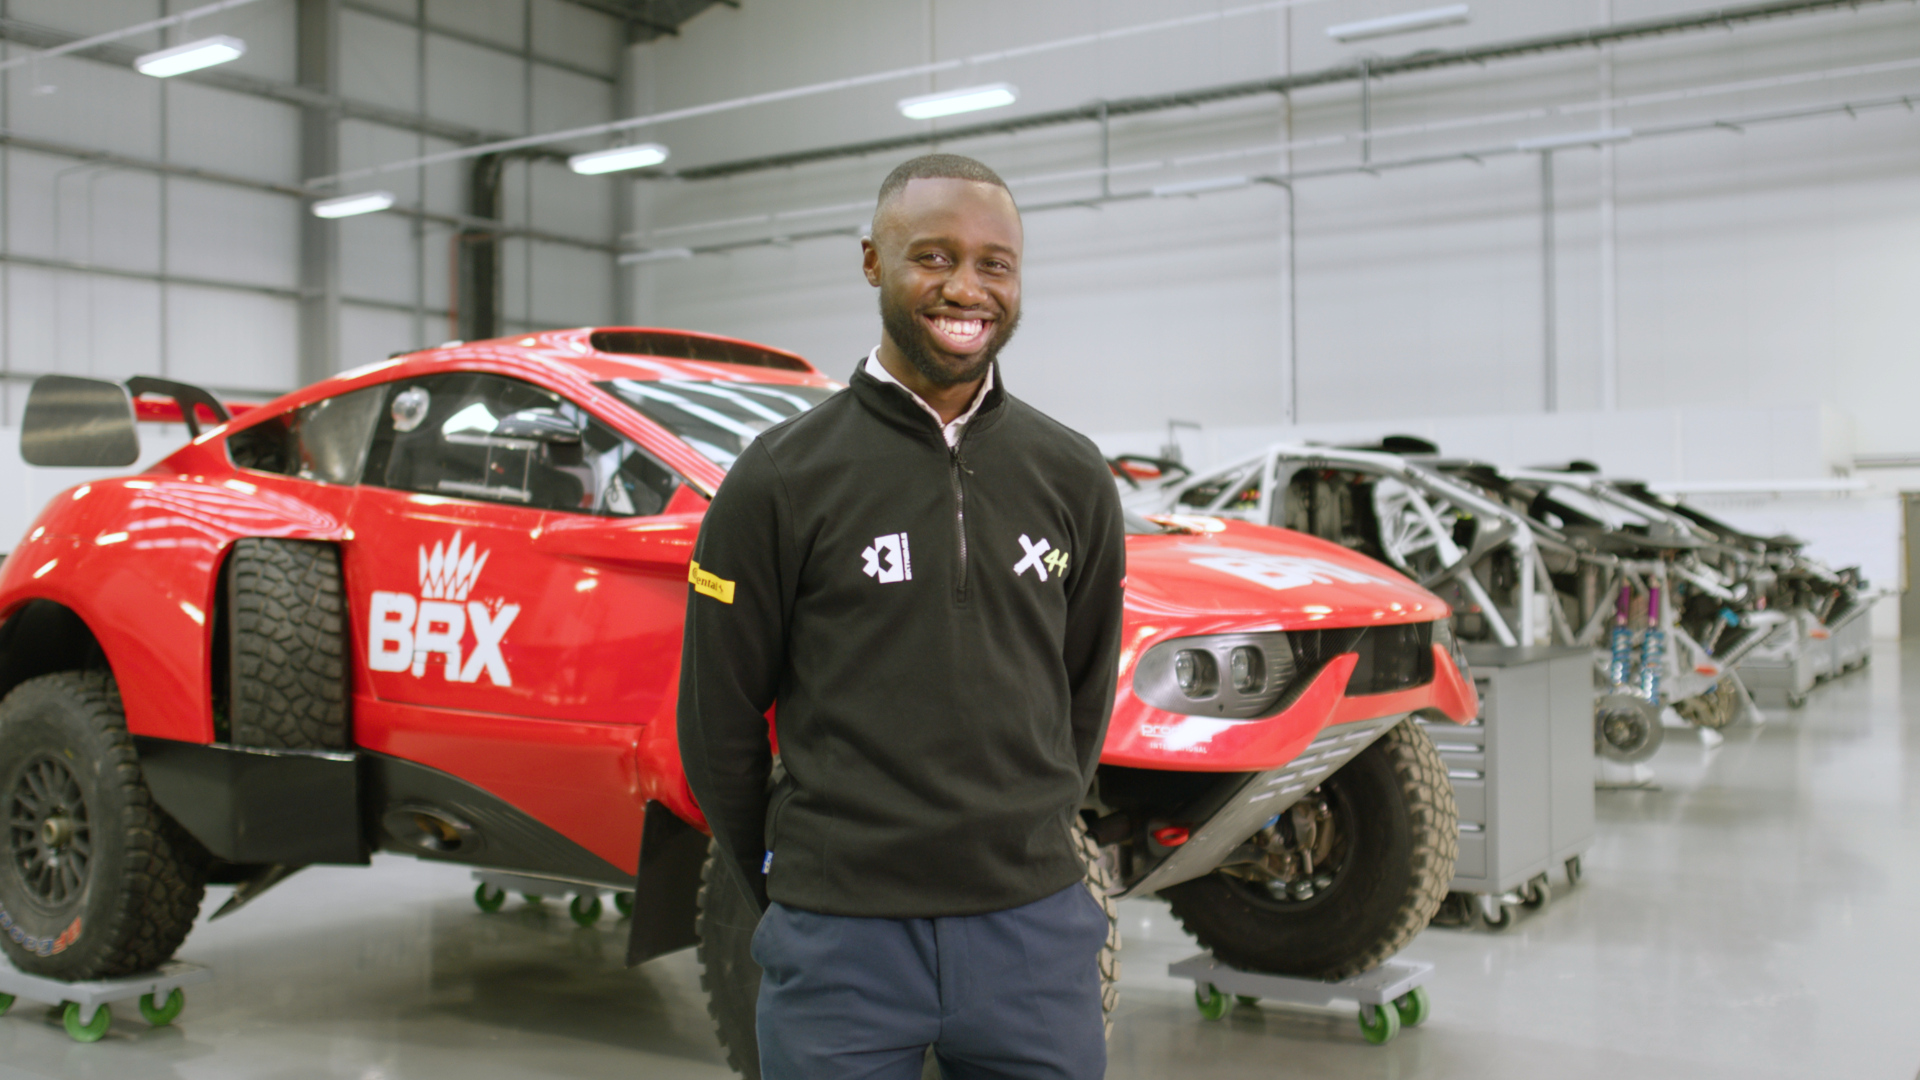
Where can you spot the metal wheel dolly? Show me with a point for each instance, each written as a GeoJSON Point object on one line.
{"type": "Point", "coordinates": [86, 1014]}
{"type": "Point", "coordinates": [490, 894]}
{"type": "Point", "coordinates": [1390, 996]}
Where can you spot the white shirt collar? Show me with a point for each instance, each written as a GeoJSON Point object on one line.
{"type": "Point", "coordinates": [950, 432]}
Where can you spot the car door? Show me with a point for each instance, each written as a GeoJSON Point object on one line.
{"type": "Point", "coordinates": [490, 652]}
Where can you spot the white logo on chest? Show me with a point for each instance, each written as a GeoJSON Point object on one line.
{"type": "Point", "coordinates": [889, 559]}
{"type": "Point", "coordinates": [404, 632]}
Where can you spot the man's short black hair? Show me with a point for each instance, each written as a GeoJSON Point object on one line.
{"type": "Point", "coordinates": [936, 167]}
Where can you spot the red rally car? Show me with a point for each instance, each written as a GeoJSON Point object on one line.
{"type": "Point", "coordinates": [433, 606]}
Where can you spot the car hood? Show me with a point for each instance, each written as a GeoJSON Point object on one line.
{"type": "Point", "coordinates": [1244, 576]}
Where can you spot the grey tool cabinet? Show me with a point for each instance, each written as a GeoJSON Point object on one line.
{"type": "Point", "coordinates": [1522, 772]}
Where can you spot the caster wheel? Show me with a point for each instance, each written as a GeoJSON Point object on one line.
{"type": "Point", "coordinates": [161, 1016]}
{"type": "Point", "coordinates": [533, 898]}
{"type": "Point", "coordinates": [623, 903]}
{"type": "Point", "coordinates": [1539, 892]}
{"type": "Point", "coordinates": [1795, 701]}
{"type": "Point", "coordinates": [1496, 916]}
{"type": "Point", "coordinates": [6, 1002]}
{"type": "Point", "coordinates": [1379, 1024]}
{"type": "Point", "coordinates": [585, 909]}
{"type": "Point", "coordinates": [489, 899]}
{"type": "Point", "coordinates": [1210, 1001]}
{"type": "Point", "coordinates": [1574, 870]}
{"type": "Point", "coordinates": [90, 1032]}
{"type": "Point", "coordinates": [1247, 999]}
{"type": "Point", "coordinates": [1414, 1007]}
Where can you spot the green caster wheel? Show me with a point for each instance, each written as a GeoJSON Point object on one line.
{"type": "Point", "coordinates": [1414, 1007]}
{"type": "Point", "coordinates": [87, 1033]}
{"type": "Point", "coordinates": [532, 898]}
{"type": "Point", "coordinates": [6, 1002]}
{"type": "Point", "coordinates": [489, 899]}
{"type": "Point", "coordinates": [585, 913]}
{"type": "Point", "coordinates": [1210, 1001]}
{"type": "Point", "coordinates": [166, 1014]}
{"type": "Point", "coordinates": [1379, 1024]}
{"type": "Point", "coordinates": [623, 902]}
{"type": "Point", "coordinates": [1247, 999]}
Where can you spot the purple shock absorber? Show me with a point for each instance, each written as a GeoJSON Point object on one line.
{"type": "Point", "coordinates": [1653, 647]}
{"type": "Point", "coordinates": [1622, 639]}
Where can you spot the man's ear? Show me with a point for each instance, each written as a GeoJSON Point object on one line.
{"type": "Point", "coordinates": [870, 261]}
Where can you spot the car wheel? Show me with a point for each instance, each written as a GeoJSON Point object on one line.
{"type": "Point", "coordinates": [1387, 834]}
{"type": "Point", "coordinates": [286, 639]}
{"type": "Point", "coordinates": [732, 980]}
{"type": "Point", "coordinates": [95, 880]}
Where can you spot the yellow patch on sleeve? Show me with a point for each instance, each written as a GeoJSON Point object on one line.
{"type": "Point", "coordinates": [709, 584]}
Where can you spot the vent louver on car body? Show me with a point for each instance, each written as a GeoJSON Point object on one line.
{"type": "Point", "coordinates": [668, 345]}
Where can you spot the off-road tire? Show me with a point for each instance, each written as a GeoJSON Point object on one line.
{"type": "Point", "coordinates": [1396, 799]}
{"type": "Point", "coordinates": [1714, 709]}
{"type": "Point", "coordinates": [287, 645]}
{"type": "Point", "coordinates": [732, 980]}
{"type": "Point", "coordinates": [144, 877]}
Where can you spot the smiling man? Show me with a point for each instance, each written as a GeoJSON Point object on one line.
{"type": "Point", "coordinates": [922, 577]}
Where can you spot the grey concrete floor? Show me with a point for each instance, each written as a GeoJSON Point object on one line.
{"type": "Point", "coordinates": [1755, 916]}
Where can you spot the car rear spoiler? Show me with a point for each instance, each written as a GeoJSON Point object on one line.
{"type": "Point", "coordinates": [74, 421]}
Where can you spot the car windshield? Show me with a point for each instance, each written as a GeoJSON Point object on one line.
{"type": "Point", "coordinates": [717, 418]}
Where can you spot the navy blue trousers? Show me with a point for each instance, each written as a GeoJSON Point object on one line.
{"type": "Point", "coordinates": [1010, 994]}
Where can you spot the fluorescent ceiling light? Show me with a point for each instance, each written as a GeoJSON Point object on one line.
{"type": "Point", "coordinates": [949, 102]}
{"type": "Point", "coordinates": [618, 158]}
{"type": "Point", "coordinates": [1197, 187]}
{"type": "Point", "coordinates": [366, 202]}
{"type": "Point", "coordinates": [192, 56]}
{"type": "Point", "coordinates": [655, 255]}
{"type": "Point", "coordinates": [1451, 15]}
{"type": "Point", "coordinates": [1579, 138]}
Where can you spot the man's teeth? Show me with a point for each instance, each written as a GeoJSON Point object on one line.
{"type": "Point", "coordinates": [960, 328]}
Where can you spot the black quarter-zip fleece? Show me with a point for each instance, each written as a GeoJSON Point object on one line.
{"type": "Point", "coordinates": [937, 631]}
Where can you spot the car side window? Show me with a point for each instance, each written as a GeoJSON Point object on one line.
{"type": "Point", "coordinates": [323, 440]}
{"type": "Point", "coordinates": [477, 436]}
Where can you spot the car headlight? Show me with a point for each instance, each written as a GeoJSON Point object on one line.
{"type": "Point", "coordinates": [1443, 635]}
{"type": "Point", "coordinates": [1185, 675]}
{"type": "Point", "coordinates": [1193, 673]}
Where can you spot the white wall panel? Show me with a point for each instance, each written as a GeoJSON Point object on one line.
{"type": "Point", "coordinates": [573, 205]}
{"type": "Point", "coordinates": [369, 334]}
{"type": "Point", "coordinates": [501, 21]}
{"type": "Point", "coordinates": [83, 324]}
{"type": "Point", "coordinates": [104, 216]}
{"type": "Point", "coordinates": [228, 339]}
{"type": "Point", "coordinates": [364, 144]}
{"type": "Point", "coordinates": [91, 17]}
{"type": "Point", "coordinates": [233, 133]}
{"type": "Point", "coordinates": [270, 29]}
{"type": "Point", "coordinates": [1761, 270]}
{"type": "Point", "coordinates": [567, 31]}
{"type": "Point", "coordinates": [89, 104]}
{"type": "Point", "coordinates": [571, 287]}
{"type": "Point", "coordinates": [471, 85]}
{"type": "Point", "coordinates": [379, 61]}
{"type": "Point", "coordinates": [377, 257]}
{"type": "Point", "coordinates": [230, 234]}
{"type": "Point", "coordinates": [563, 100]}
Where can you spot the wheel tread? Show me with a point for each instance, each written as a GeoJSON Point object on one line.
{"type": "Point", "coordinates": [288, 643]}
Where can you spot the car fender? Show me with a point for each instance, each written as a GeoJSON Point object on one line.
{"type": "Point", "coordinates": [138, 560]}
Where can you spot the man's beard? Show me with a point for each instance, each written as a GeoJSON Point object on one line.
{"type": "Point", "coordinates": [912, 338]}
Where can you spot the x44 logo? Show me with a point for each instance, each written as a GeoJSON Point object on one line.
{"type": "Point", "coordinates": [1040, 557]}
{"type": "Point", "coordinates": [405, 631]}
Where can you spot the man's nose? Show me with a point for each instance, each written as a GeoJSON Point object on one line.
{"type": "Point", "coordinates": [963, 288]}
